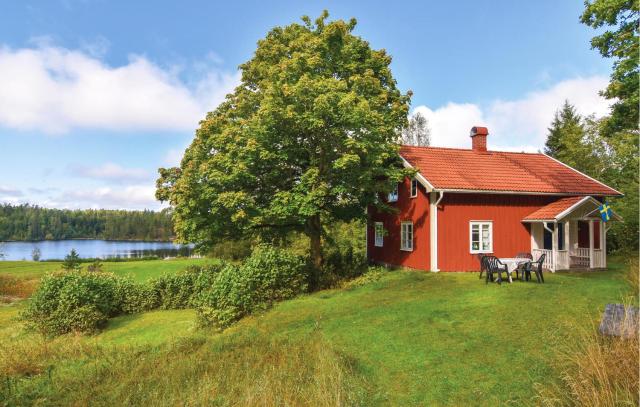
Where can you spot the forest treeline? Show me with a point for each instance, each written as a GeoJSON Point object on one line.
{"type": "Point", "coordinates": [31, 222]}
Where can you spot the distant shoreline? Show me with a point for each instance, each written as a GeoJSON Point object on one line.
{"type": "Point", "coordinates": [90, 238]}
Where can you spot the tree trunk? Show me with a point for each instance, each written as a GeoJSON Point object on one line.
{"type": "Point", "coordinates": [314, 228]}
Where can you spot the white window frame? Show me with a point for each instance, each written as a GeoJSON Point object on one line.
{"type": "Point", "coordinates": [378, 240]}
{"type": "Point", "coordinates": [480, 224]}
{"type": "Point", "coordinates": [393, 195]}
{"type": "Point", "coordinates": [414, 188]}
{"type": "Point", "coordinates": [406, 244]}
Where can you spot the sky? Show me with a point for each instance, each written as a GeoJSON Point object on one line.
{"type": "Point", "coordinates": [96, 95]}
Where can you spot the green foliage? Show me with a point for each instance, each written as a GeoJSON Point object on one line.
{"type": "Point", "coordinates": [175, 291]}
{"type": "Point", "coordinates": [580, 143]}
{"type": "Point", "coordinates": [371, 275]}
{"type": "Point", "coordinates": [231, 249]}
{"type": "Point", "coordinates": [35, 254]}
{"type": "Point", "coordinates": [74, 302]}
{"type": "Point", "coordinates": [95, 266]}
{"type": "Point", "coordinates": [27, 222]}
{"type": "Point", "coordinates": [267, 276]}
{"type": "Point", "coordinates": [71, 261]}
{"type": "Point", "coordinates": [620, 42]}
{"type": "Point", "coordinates": [307, 138]}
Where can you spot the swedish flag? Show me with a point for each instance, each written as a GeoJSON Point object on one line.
{"type": "Point", "coordinates": [605, 212]}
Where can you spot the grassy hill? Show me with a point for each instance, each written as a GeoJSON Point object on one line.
{"type": "Point", "coordinates": [410, 338]}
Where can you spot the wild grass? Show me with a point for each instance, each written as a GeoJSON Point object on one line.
{"type": "Point", "coordinates": [599, 370]}
{"type": "Point", "coordinates": [241, 369]}
{"type": "Point", "coordinates": [404, 338]}
{"type": "Point", "coordinates": [12, 288]}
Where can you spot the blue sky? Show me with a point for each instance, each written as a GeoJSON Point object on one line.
{"type": "Point", "coordinates": [96, 95]}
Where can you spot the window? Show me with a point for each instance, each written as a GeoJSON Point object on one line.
{"type": "Point", "coordinates": [481, 237]}
{"type": "Point", "coordinates": [379, 234]}
{"type": "Point", "coordinates": [393, 195]}
{"type": "Point", "coordinates": [414, 188]}
{"type": "Point", "coordinates": [406, 236]}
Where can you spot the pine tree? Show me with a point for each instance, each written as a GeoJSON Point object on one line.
{"type": "Point", "coordinates": [71, 261]}
{"type": "Point", "coordinates": [566, 128]}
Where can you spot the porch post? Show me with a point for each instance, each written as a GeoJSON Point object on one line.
{"type": "Point", "coordinates": [591, 251]}
{"type": "Point", "coordinates": [603, 244]}
{"type": "Point", "coordinates": [554, 247]}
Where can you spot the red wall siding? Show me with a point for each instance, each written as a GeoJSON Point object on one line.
{"type": "Point", "coordinates": [510, 235]}
{"type": "Point", "coordinates": [410, 209]}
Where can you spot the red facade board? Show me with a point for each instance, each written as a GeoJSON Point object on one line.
{"type": "Point", "coordinates": [415, 210]}
{"type": "Point", "coordinates": [510, 234]}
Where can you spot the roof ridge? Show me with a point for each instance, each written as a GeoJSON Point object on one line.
{"type": "Point", "coordinates": [468, 149]}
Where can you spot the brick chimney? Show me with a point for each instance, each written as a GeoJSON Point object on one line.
{"type": "Point", "coordinates": [479, 138]}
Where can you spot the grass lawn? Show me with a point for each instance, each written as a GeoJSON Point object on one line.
{"type": "Point", "coordinates": [138, 270]}
{"type": "Point", "coordinates": [411, 338]}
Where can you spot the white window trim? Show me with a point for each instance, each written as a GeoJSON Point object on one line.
{"type": "Point", "coordinates": [413, 182]}
{"type": "Point", "coordinates": [376, 242]}
{"type": "Point", "coordinates": [393, 195]}
{"type": "Point", "coordinates": [402, 241]}
{"type": "Point", "coordinates": [480, 223]}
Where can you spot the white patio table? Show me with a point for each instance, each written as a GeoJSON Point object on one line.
{"type": "Point", "coordinates": [512, 264]}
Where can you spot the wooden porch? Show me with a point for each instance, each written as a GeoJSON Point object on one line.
{"type": "Point", "coordinates": [575, 238]}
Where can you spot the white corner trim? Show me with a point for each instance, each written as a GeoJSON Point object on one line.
{"type": "Point", "coordinates": [581, 173]}
{"type": "Point", "coordinates": [418, 176]}
{"type": "Point", "coordinates": [433, 229]}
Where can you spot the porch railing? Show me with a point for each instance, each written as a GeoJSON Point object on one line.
{"type": "Point", "coordinates": [579, 257]}
{"type": "Point", "coordinates": [548, 260]}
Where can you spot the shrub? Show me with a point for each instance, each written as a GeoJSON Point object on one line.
{"type": "Point", "coordinates": [179, 290]}
{"type": "Point", "coordinates": [267, 276]}
{"type": "Point", "coordinates": [95, 266]}
{"type": "Point", "coordinates": [372, 274]}
{"type": "Point", "coordinates": [80, 302]}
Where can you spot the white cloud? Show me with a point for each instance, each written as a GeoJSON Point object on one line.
{"type": "Point", "coordinates": [133, 197]}
{"type": "Point", "coordinates": [514, 125]}
{"type": "Point", "coordinates": [9, 192]}
{"type": "Point", "coordinates": [54, 89]}
{"type": "Point", "coordinates": [111, 172]}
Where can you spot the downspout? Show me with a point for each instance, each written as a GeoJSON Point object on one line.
{"type": "Point", "coordinates": [434, 228]}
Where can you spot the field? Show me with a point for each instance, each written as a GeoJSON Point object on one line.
{"type": "Point", "coordinates": [410, 338]}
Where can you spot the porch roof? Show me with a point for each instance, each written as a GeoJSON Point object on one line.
{"type": "Point", "coordinates": [562, 207]}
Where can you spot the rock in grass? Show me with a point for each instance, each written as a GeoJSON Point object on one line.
{"type": "Point", "coordinates": [619, 320]}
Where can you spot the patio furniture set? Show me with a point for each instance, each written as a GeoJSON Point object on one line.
{"type": "Point", "coordinates": [523, 265]}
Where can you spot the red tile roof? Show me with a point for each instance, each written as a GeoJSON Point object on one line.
{"type": "Point", "coordinates": [499, 171]}
{"type": "Point", "coordinates": [552, 210]}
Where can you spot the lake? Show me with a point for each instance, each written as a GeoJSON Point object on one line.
{"type": "Point", "coordinates": [58, 249]}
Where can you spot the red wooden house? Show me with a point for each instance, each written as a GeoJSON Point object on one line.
{"type": "Point", "coordinates": [464, 202]}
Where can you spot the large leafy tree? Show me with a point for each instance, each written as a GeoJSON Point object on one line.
{"type": "Point", "coordinates": [308, 137]}
{"type": "Point", "coordinates": [619, 41]}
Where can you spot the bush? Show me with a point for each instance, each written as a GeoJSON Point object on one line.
{"type": "Point", "coordinates": [179, 290]}
{"type": "Point", "coordinates": [72, 302]}
{"type": "Point", "coordinates": [372, 275]}
{"type": "Point", "coordinates": [342, 263]}
{"type": "Point", "coordinates": [82, 302]}
{"type": "Point", "coordinates": [267, 276]}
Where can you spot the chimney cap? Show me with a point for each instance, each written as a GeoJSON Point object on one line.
{"type": "Point", "coordinates": [479, 131]}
